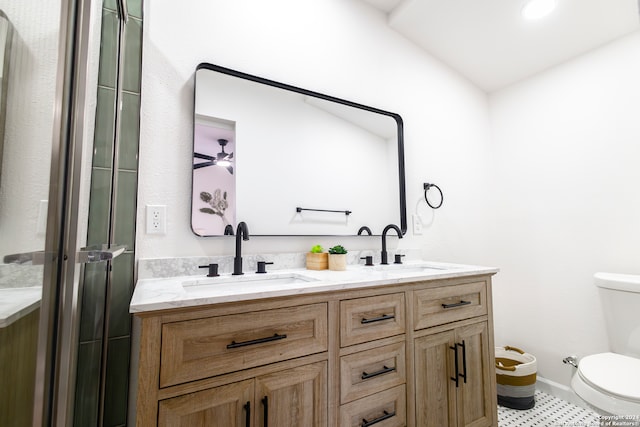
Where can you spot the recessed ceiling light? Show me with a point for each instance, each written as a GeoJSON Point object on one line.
{"type": "Point", "coordinates": [536, 9]}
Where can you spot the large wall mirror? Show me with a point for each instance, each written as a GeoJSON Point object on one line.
{"type": "Point", "coordinates": [290, 161]}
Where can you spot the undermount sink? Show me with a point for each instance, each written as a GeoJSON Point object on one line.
{"type": "Point", "coordinates": [269, 279]}
{"type": "Point", "coordinates": [412, 268]}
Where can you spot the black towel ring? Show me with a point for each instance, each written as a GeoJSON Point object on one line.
{"type": "Point", "coordinates": [426, 187]}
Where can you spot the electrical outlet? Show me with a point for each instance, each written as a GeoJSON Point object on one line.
{"type": "Point", "coordinates": [417, 224]}
{"type": "Point", "coordinates": [156, 219]}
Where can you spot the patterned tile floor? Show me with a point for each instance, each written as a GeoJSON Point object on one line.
{"type": "Point", "coordinates": [549, 411]}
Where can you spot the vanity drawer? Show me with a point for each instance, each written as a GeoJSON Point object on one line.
{"type": "Point", "coordinates": [371, 318]}
{"type": "Point", "coordinates": [447, 304]}
{"type": "Point", "coordinates": [202, 348]}
{"type": "Point", "coordinates": [385, 409]}
{"type": "Point", "coordinates": [371, 371]}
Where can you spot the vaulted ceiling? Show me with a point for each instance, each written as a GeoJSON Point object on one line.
{"type": "Point", "coordinates": [490, 43]}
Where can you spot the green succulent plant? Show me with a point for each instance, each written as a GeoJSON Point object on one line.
{"type": "Point", "coordinates": [338, 249]}
{"type": "Point", "coordinates": [317, 249]}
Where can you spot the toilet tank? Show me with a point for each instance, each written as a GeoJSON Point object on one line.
{"type": "Point", "coordinates": [620, 295]}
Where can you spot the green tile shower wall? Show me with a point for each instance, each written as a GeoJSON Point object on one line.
{"type": "Point", "coordinates": [103, 133]}
{"type": "Point", "coordinates": [108, 49]}
{"type": "Point", "coordinates": [116, 388]}
{"type": "Point", "coordinates": [93, 304]}
{"type": "Point", "coordinates": [129, 130]}
{"type": "Point", "coordinates": [135, 7]}
{"type": "Point", "coordinates": [86, 407]}
{"type": "Point", "coordinates": [132, 54]}
{"type": "Point", "coordinates": [93, 298]}
{"type": "Point", "coordinates": [125, 223]}
{"type": "Point", "coordinates": [122, 288]}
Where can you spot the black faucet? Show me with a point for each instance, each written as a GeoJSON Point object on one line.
{"type": "Point", "coordinates": [262, 267]}
{"type": "Point", "coordinates": [213, 269]}
{"type": "Point", "coordinates": [368, 260]}
{"type": "Point", "coordinates": [242, 233]}
{"type": "Point", "coordinates": [364, 229]}
{"type": "Point", "coordinates": [384, 241]}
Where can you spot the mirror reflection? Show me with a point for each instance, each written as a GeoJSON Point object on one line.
{"type": "Point", "coordinates": [214, 190]}
{"type": "Point", "coordinates": [6, 34]}
{"type": "Point", "coordinates": [289, 161]}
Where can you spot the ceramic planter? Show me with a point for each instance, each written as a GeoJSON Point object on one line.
{"type": "Point", "coordinates": [337, 262]}
{"type": "Point", "coordinates": [317, 261]}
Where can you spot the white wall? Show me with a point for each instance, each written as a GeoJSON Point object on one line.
{"type": "Point", "coordinates": [342, 48]}
{"type": "Point", "coordinates": [550, 200]}
{"type": "Point", "coordinates": [566, 147]}
{"type": "Point", "coordinates": [550, 197]}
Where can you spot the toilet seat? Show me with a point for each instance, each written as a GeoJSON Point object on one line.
{"type": "Point", "coordinates": [610, 381]}
{"type": "Point", "coordinates": [612, 373]}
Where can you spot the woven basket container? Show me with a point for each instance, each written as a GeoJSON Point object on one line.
{"type": "Point", "coordinates": [516, 378]}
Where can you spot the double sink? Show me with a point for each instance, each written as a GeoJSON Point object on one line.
{"type": "Point", "coordinates": [294, 279]}
{"type": "Point", "coordinates": [154, 294]}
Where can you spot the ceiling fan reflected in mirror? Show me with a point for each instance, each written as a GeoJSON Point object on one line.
{"type": "Point", "coordinates": [222, 159]}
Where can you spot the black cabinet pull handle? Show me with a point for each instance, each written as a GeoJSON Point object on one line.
{"type": "Point", "coordinates": [457, 304]}
{"type": "Point", "coordinates": [378, 319]}
{"type": "Point", "coordinates": [275, 337]}
{"type": "Point", "coordinates": [265, 404]}
{"type": "Point", "coordinates": [386, 416]}
{"type": "Point", "coordinates": [247, 409]}
{"type": "Point", "coordinates": [464, 361]}
{"type": "Point", "coordinates": [456, 364]}
{"type": "Point", "coordinates": [382, 371]}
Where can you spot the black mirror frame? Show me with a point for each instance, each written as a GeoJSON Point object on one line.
{"type": "Point", "coordinates": [398, 119]}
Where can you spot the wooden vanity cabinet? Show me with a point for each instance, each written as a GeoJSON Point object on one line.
{"type": "Point", "coordinates": [441, 400]}
{"type": "Point", "coordinates": [371, 318]}
{"type": "Point", "coordinates": [372, 374]}
{"type": "Point", "coordinates": [200, 348]}
{"type": "Point", "coordinates": [293, 397]}
{"type": "Point", "coordinates": [382, 355]}
{"type": "Point", "coordinates": [228, 405]}
{"type": "Point", "coordinates": [454, 361]}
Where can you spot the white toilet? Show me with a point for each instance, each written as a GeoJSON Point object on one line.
{"type": "Point", "coordinates": [611, 381]}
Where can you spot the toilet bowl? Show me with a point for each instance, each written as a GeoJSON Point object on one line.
{"type": "Point", "coordinates": [610, 381]}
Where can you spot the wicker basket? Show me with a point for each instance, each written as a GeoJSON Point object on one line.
{"type": "Point", "coordinates": [516, 378]}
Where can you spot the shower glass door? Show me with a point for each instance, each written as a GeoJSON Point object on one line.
{"type": "Point", "coordinates": [46, 68]}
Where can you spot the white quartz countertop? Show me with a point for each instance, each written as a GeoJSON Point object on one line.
{"type": "Point", "coordinates": [18, 302]}
{"type": "Point", "coordinates": [190, 291]}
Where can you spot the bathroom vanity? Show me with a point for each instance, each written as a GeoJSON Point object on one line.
{"type": "Point", "coordinates": [19, 316]}
{"type": "Point", "coordinates": [386, 345]}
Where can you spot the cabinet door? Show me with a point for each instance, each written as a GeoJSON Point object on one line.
{"type": "Point", "coordinates": [225, 406]}
{"type": "Point", "coordinates": [474, 397]}
{"type": "Point", "coordinates": [295, 397]}
{"type": "Point", "coordinates": [435, 390]}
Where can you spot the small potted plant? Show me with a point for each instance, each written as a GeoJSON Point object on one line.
{"type": "Point", "coordinates": [317, 258]}
{"type": "Point", "coordinates": [337, 258]}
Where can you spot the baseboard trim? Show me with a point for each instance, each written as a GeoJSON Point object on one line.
{"type": "Point", "coordinates": [561, 391]}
